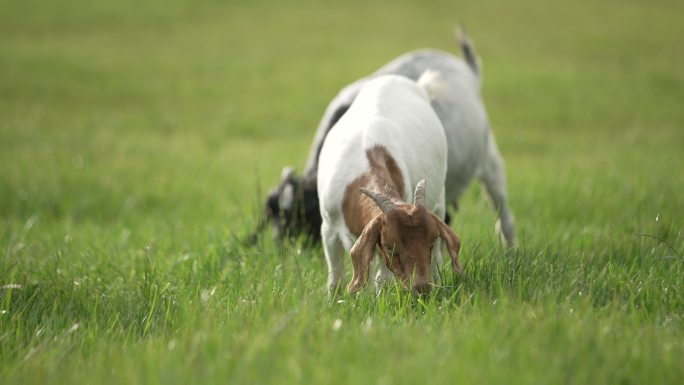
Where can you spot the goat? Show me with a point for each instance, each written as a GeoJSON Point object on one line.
{"type": "Point", "coordinates": [473, 153]}
{"type": "Point", "coordinates": [388, 139]}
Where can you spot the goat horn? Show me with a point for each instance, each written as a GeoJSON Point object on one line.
{"type": "Point", "coordinates": [381, 200]}
{"type": "Point", "coordinates": [419, 195]}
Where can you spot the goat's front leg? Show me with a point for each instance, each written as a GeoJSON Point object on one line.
{"type": "Point", "coordinates": [334, 254]}
{"type": "Point", "coordinates": [437, 262]}
{"type": "Point", "coordinates": [493, 176]}
{"type": "Point", "coordinates": [441, 211]}
{"type": "Point", "coordinates": [383, 275]}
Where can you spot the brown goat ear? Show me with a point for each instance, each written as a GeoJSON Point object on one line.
{"type": "Point", "coordinates": [452, 241]}
{"type": "Point", "coordinates": [362, 253]}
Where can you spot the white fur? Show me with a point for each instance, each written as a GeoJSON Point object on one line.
{"type": "Point", "coordinates": [473, 152]}
{"type": "Point", "coordinates": [394, 112]}
{"type": "Point", "coordinates": [429, 81]}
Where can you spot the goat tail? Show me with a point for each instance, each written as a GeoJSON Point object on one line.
{"type": "Point", "coordinates": [468, 49]}
{"type": "Point", "coordinates": [432, 83]}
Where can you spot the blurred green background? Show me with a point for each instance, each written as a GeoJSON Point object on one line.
{"type": "Point", "coordinates": [113, 109]}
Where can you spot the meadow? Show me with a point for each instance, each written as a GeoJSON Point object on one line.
{"type": "Point", "coordinates": [137, 140]}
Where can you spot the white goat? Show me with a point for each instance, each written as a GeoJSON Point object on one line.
{"type": "Point", "coordinates": [473, 152]}
{"type": "Point", "coordinates": [389, 141]}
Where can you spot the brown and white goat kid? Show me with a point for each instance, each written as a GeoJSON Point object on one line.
{"type": "Point", "coordinates": [389, 141]}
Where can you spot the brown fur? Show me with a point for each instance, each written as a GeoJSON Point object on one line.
{"type": "Point", "coordinates": [383, 176]}
{"type": "Point", "coordinates": [406, 243]}
{"type": "Point", "coordinates": [404, 234]}
{"type": "Point", "coordinates": [363, 251]}
{"type": "Point", "coordinates": [385, 173]}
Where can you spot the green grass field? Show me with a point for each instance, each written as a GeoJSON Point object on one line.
{"type": "Point", "coordinates": [137, 141]}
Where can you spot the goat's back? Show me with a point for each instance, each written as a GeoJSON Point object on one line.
{"type": "Point", "coordinates": [395, 113]}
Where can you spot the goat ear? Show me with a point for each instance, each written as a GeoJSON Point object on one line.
{"type": "Point", "coordinates": [362, 253]}
{"type": "Point", "coordinates": [452, 241]}
{"type": "Point", "coordinates": [287, 173]}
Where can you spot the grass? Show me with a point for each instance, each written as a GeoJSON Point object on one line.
{"type": "Point", "coordinates": [136, 141]}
